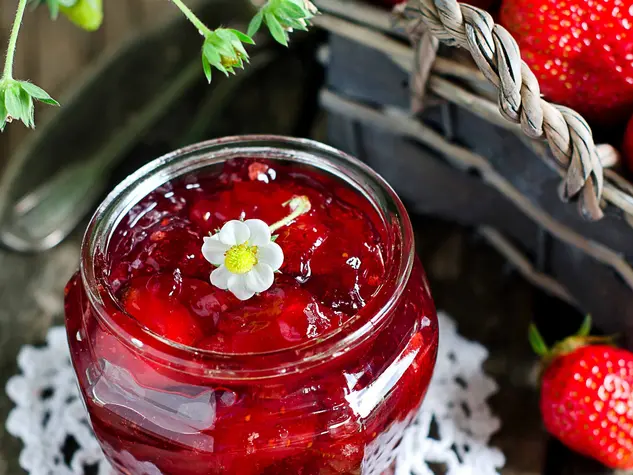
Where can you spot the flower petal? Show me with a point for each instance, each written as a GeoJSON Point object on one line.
{"type": "Point", "coordinates": [260, 278]}
{"type": "Point", "coordinates": [234, 232]}
{"type": "Point", "coordinates": [260, 232]}
{"type": "Point", "coordinates": [213, 250]}
{"type": "Point", "coordinates": [237, 286]}
{"type": "Point", "coordinates": [220, 277]}
{"type": "Point", "coordinates": [271, 254]}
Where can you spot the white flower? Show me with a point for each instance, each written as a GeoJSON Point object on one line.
{"type": "Point", "coordinates": [245, 256]}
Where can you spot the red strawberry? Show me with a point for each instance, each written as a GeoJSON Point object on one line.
{"type": "Point", "coordinates": [581, 51]}
{"type": "Point", "coordinates": [587, 396]}
{"type": "Point", "coordinates": [627, 145]}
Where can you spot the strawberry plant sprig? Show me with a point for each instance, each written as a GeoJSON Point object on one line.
{"type": "Point", "coordinates": [222, 48]}
{"type": "Point", "coordinates": [17, 97]}
{"type": "Point", "coordinates": [282, 17]}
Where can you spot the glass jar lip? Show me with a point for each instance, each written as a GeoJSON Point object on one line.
{"type": "Point", "coordinates": [137, 185]}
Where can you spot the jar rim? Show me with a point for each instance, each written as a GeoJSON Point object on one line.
{"type": "Point", "coordinates": [176, 164]}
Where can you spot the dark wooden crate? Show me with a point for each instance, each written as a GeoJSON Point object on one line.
{"type": "Point", "coordinates": [367, 97]}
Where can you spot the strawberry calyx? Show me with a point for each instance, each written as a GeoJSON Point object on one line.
{"type": "Point", "coordinates": [566, 346]}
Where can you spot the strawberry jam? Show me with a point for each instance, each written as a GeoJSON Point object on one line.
{"type": "Point", "coordinates": [318, 375]}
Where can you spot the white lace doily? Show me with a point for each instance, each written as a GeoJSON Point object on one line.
{"type": "Point", "coordinates": [452, 429]}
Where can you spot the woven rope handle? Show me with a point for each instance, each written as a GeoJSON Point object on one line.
{"type": "Point", "coordinates": [498, 57]}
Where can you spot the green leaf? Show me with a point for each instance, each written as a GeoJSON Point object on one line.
{"type": "Point", "coordinates": [214, 57]}
{"type": "Point", "coordinates": [242, 37]}
{"type": "Point", "coordinates": [291, 23]}
{"type": "Point", "coordinates": [276, 30]}
{"type": "Point", "coordinates": [239, 47]}
{"type": "Point", "coordinates": [536, 341]}
{"type": "Point", "coordinates": [3, 111]}
{"type": "Point", "coordinates": [13, 103]}
{"type": "Point", "coordinates": [38, 93]}
{"type": "Point", "coordinates": [28, 112]}
{"type": "Point", "coordinates": [224, 47]}
{"type": "Point", "coordinates": [206, 67]}
{"type": "Point", "coordinates": [585, 328]}
{"type": "Point", "coordinates": [256, 23]}
{"type": "Point", "coordinates": [292, 10]}
{"type": "Point", "coordinates": [53, 6]}
{"type": "Point", "coordinates": [232, 43]}
{"type": "Point", "coordinates": [211, 54]}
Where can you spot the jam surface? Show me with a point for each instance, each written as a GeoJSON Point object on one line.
{"type": "Point", "coordinates": [343, 416]}
{"type": "Point", "coordinates": [334, 258]}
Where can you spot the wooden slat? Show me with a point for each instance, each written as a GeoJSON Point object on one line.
{"type": "Point", "coordinates": [121, 19]}
{"type": "Point", "coordinates": [157, 11]}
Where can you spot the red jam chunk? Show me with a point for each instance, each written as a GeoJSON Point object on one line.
{"type": "Point", "coordinates": [333, 418]}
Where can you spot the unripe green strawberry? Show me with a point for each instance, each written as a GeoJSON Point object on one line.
{"type": "Point", "coordinates": [87, 14]}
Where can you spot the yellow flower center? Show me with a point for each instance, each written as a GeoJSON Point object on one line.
{"type": "Point", "coordinates": [229, 62]}
{"type": "Point", "coordinates": [241, 258]}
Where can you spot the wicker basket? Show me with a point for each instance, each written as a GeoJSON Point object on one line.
{"type": "Point", "coordinates": [469, 138]}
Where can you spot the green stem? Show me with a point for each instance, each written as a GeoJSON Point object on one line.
{"type": "Point", "coordinates": [13, 39]}
{"type": "Point", "coordinates": [299, 205]}
{"type": "Point", "coordinates": [191, 16]}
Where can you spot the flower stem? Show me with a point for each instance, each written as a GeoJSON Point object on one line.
{"type": "Point", "coordinates": [13, 39]}
{"type": "Point", "coordinates": [191, 16]}
{"type": "Point", "coordinates": [299, 205]}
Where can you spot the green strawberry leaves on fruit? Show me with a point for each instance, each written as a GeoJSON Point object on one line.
{"type": "Point", "coordinates": [86, 14]}
{"type": "Point", "coordinates": [282, 17]}
{"type": "Point", "coordinates": [17, 100]}
{"type": "Point", "coordinates": [223, 49]}
{"type": "Point", "coordinates": [568, 345]}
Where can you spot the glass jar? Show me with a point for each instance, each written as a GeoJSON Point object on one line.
{"type": "Point", "coordinates": [337, 405]}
